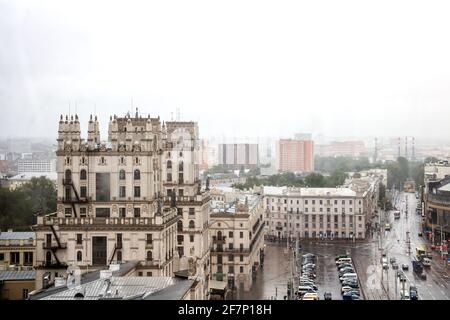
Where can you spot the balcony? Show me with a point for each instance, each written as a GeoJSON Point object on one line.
{"type": "Point", "coordinates": [150, 263]}
{"type": "Point", "coordinates": [219, 240]}
{"type": "Point", "coordinates": [53, 246]}
{"type": "Point", "coordinates": [442, 200]}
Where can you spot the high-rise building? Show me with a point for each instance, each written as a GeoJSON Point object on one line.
{"type": "Point", "coordinates": [238, 155]}
{"type": "Point", "coordinates": [34, 165]}
{"type": "Point", "coordinates": [115, 203]}
{"type": "Point", "coordinates": [295, 155]}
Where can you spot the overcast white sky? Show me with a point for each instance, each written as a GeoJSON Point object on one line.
{"type": "Point", "coordinates": [337, 68]}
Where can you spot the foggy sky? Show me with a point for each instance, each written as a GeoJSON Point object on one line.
{"type": "Point", "coordinates": [249, 68]}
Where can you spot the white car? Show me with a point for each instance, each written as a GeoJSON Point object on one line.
{"type": "Point", "coordinates": [346, 288]}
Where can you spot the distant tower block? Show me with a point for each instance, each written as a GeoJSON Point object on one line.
{"type": "Point", "coordinates": [375, 154]}
{"type": "Point", "coordinates": [413, 156]}
{"type": "Point", "coordinates": [399, 143]}
{"type": "Point", "coordinates": [406, 147]}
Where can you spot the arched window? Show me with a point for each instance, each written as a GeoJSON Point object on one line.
{"type": "Point", "coordinates": [68, 175]}
{"type": "Point", "coordinates": [180, 166]}
{"type": "Point", "coordinates": [122, 174]}
{"type": "Point", "coordinates": [137, 175]}
{"type": "Point", "coordinates": [83, 174]}
{"type": "Point", "coordinates": [180, 225]}
{"type": "Point", "coordinates": [149, 256]}
{"type": "Point", "coordinates": [48, 257]}
{"type": "Point", "coordinates": [191, 224]}
{"type": "Point", "coordinates": [79, 256]}
{"type": "Point", "coordinates": [169, 164]}
{"type": "Point", "coordinates": [119, 256]}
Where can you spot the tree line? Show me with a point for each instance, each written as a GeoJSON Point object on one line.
{"type": "Point", "coordinates": [18, 207]}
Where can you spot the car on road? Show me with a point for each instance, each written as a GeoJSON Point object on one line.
{"type": "Point", "coordinates": [413, 294]}
{"type": "Point", "coordinates": [348, 276]}
{"type": "Point", "coordinates": [426, 262]}
{"type": "Point", "coordinates": [327, 296]}
{"type": "Point", "coordinates": [353, 285]}
{"type": "Point", "coordinates": [401, 276]}
{"type": "Point", "coordinates": [345, 289]}
{"type": "Point", "coordinates": [419, 234]}
{"type": "Point", "coordinates": [345, 265]}
{"type": "Point", "coordinates": [404, 295]}
{"type": "Point", "coordinates": [385, 266]}
{"type": "Point", "coordinates": [340, 256]}
{"type": "Point", "coordinates": [310, 296]}
{"type": "Point", "coordinates": [387, 227]}
{"type": "Point", "coordinates": [350, 296]}
{"type": "Point", "coordinates": [344, 270]}
{"type": "Point", "coordinates": [343, 260]}
{"type": "Point", "coordinates": [405, 267]}
{"type": "Point", "coordinates": [395, 266]}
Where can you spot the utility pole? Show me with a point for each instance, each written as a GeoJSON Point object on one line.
{"type": "Point", "coordinates": [395, 280]}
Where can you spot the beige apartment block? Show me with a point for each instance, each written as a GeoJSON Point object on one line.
{"type": "Point", "coordinates": [321, 213]}
{"type": "Point", "coordinates": [237, 229]}
{"type": "Point", "coordinates": [114, 203]}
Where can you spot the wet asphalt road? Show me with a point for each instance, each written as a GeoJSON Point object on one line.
{"type": "Point", "coordinates": [271, 281]}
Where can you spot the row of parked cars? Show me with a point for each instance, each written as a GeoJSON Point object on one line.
{"type": "Point", "coordinates": [348, 278]}
{"type": "Point", "coordinates": [307, 289]}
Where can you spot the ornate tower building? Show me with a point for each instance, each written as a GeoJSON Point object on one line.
{"type": "Point", "coordinates": [114, 201]}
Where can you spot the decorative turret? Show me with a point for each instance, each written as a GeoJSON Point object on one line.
{"type": "Point", "coordinates": [93, 132]}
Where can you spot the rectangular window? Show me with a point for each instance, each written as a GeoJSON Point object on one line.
{"type": "Point", "coordinates": [83, 212]}
{"type": "Point", "coordinates": [230, 234]}
{"type": "Point", "coordinates": [241, 258]}
{"type": "Point", "coordinates": [241, 234]}
{"type": "Point", "coordinates": [149, 238]}
{"type": "Point", "coordinates": [191, 211]}
{"type": "Point", "coordinates": [83, 192]}
{"type": "Point", "coordinates": [102, 212]}
{"type": "Point", "coordinates": [180, 178]}
{"type": "Point", "coordinates": [122, 212]}
{"type": "Point", "coordinates": [149, 274]}
{"type": "Point", "coordinates": [181, 192]}
{"type": "Point", "coordinates": [230, 269]}
{"type": "Point", "coordinates": [191, 238]}
{"type": "Point", "coordinates": [28, 258]}
{"type": "Point", "coordinates": [314, 202]}
{"type": "Point", "coordinates": [79, 238]}
{"type": "Point", "coordinates": [102, 187]}
{"type": "Point", "coordinates": [231, 258]}
{"type": "Point", "coordinates": [137, 212]}
{"type": "Point", "coordinates": [169, 177]}
{"type": "Point", "coordinates": [14, 258]}
{"type": "Point", "coordinates": [241, 269]}
{"type": "Point", "coordinates": [2, 256]}
{"type": "Point", "coordinates": [122, 192]}
{"type": "Point", "coordinates": [68, 212]}
{"type": "Point", "coordinates": [137, 192]}
{"type": "Point", "coordinates": [24, 294]}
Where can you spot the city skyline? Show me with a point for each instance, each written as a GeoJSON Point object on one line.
{"type": "Point", "coordinates": [310, 69]}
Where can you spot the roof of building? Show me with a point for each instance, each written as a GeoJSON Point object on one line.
{"type": "Point", "coordinates": [17, 275]}
{"type": "Point", "coordinates": [124, 268]}
{"type": "Point", "coordinates": [251, 200]}
{"type": "Point", "coordinates": [173, 292]}
{"type": "Point", "coordinates": [309, 192]}
{"type": "Point", "coordinates": [17, 235]}
{"type": "Point", "coordinates": [122, 288]}
{"type": "Point", "coordinates": [445, 188]}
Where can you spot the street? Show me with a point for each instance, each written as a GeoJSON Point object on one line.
{"type": "Point", "coordinates": [271, 281]}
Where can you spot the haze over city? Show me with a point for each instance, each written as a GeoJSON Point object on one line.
{"type": "Point", "coordinates": [250, 68]}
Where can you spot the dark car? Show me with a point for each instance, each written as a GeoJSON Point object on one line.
{"type": "Point", "coordinates": [405, 267]}
{"type": "Point", "coordinates": [413, 295]}
{"type": "Point", "coordinates": [350, 296]}
{"type": "Point", "coordinates": [354, 285]}
{"type": "Point", "coordinates": [327, 296]}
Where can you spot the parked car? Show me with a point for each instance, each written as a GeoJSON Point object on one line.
{"type": "Point", "coordinates": [353, 285]}
{"type": "Point", "coordinates": [345, 289]}
{"type": "Point", "coordinates": [395, 266]}
{"type": "Point", "coordinates": [327, 296]}
{"type": "Point", "coordinates": [350, 296]}
{"type": "Point", "coordinates": [340, 256]}
{"type": "Point", "coordinates": [405, 267]}
{"type": "Point", "coordinates": [385, 266]}
{"type": "Point", "coordinates": [413, 294]}
{"type": "Point", "coordinates": [310, 296]}
{"type": "Point", "coordinates": [345, 265]}
{"type": "Point", "coordinates": [404, 295]}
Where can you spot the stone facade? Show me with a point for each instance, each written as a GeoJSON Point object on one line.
{"type": "Point", "coordinates": [113, 199]}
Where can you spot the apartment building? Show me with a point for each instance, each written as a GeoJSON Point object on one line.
{"type": "Point", "coordinates": [17, 250]}
{"type": "Point", "coordinates": [237, 229]}
{"type": "Point", "coordinates": [295, 155]}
